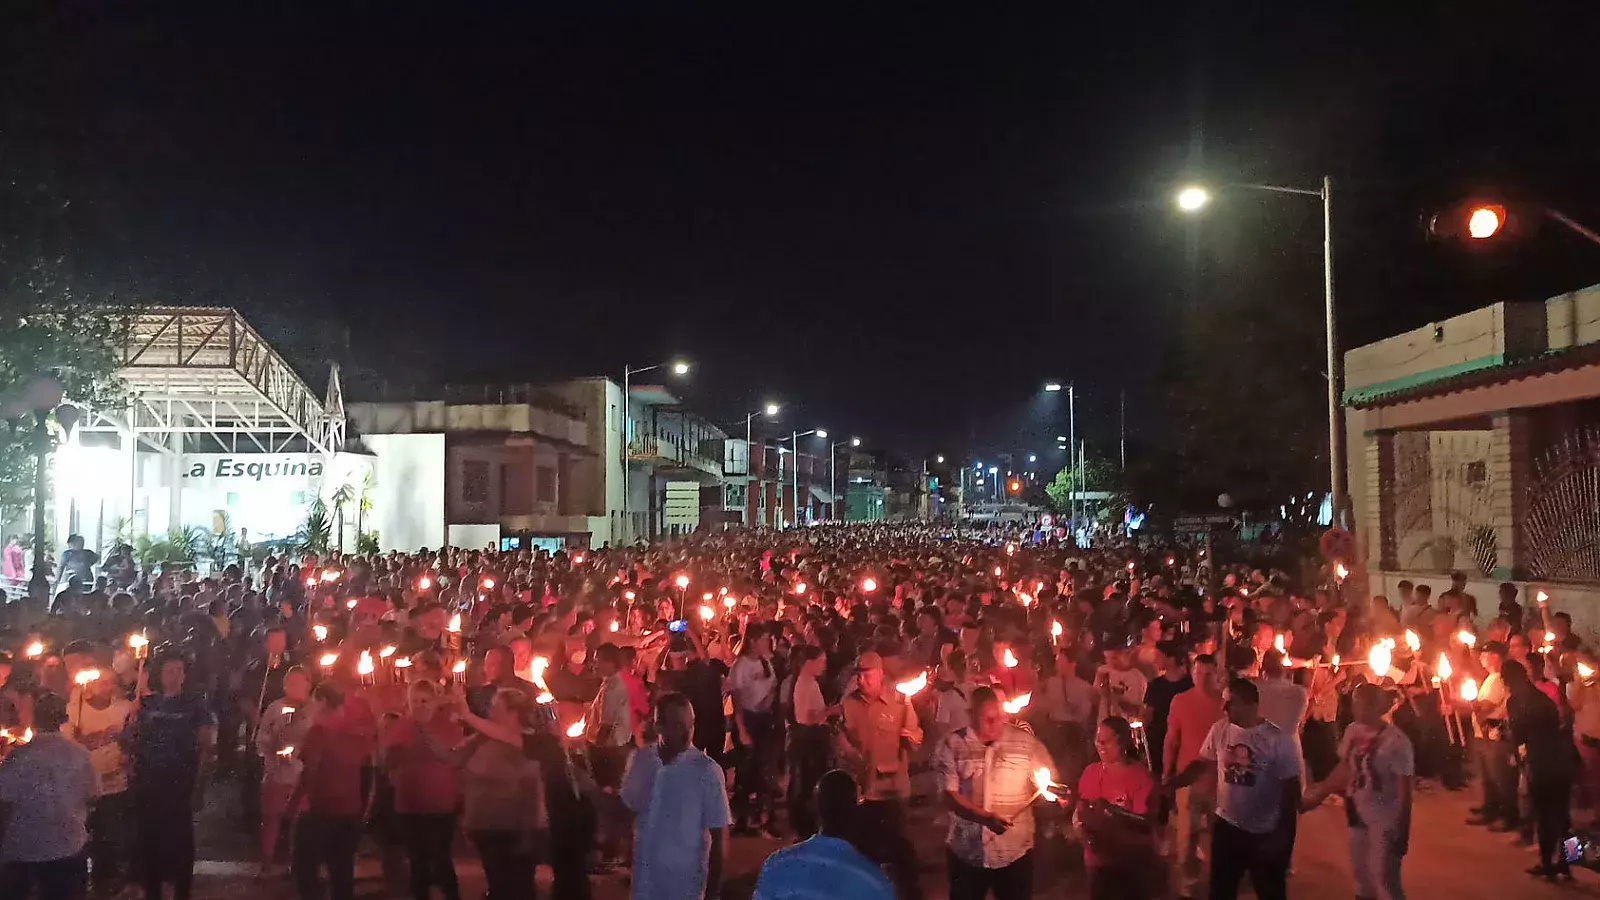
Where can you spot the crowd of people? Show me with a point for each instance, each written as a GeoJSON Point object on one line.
{"type": "Point", "coordinates": [626, 710]}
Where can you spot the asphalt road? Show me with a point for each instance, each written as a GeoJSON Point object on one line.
{"type": "Point", "coordinates": [1448, 859]}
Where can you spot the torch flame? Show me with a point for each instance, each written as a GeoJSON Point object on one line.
{"type": "Point", "coordinates": [1444, 667]}
{"type": "Point", "coordinates": [1010, 659]}
{"type": "Point", "coordinates": [1549, 637]}
{"type": "Point", "coordinates": [1026, 599]}
{"type": "Point", "coordinates": [488, 584]}
{"type": "Point", "coordinates": [286, 752]}
{"type": "Point", "coordinates": [1413, 642]}
{"type": "Point", "coordinates": [615, 627]}
{"type": "Point", "coordinates": [997, 571]}
{"type": "Point", "coordinates": [387, 651]}
{"type": "Point", "coordinates": [1056, 630]}
{"type": "Point", "coordinates": [729, 602]}
{"type": "Point", "coordinates": [455, 624]}
{"type": "Point", "coordinates": [682, 581]}
{"type": "Point", "coordinates": [629, 595]}
{"type": "Point", "coordinates": [403, 662]}
{"type": "Point", "coordinates": [1043, 782]}
{"type": "Point", "coordinates": [138, 641]}
{"type": "Point", "coordinates": [328, 659]}
{"type": "Point", "coordinates": [1467, 638]}
{"type": "Point", "coordinates": [800, 588]}
{"type": "Point", "coordinates": [1469, 689]}
{"type": "Point", "coordinates": [86, 676]}
{"type": "Point", "coordinates": [320, 632]}
{"type": "Point", "coordinates": [424, 583]}
{"type": "Point", "coordinates": [1542, 598]}
{"type": "Point", "coordinates": [1017, 704]}
{"type": "Point", "coordinates": [868, 585]}
{"type": "Point", "coordinates": [350, 604]}
{"type": "Point", "coordinates": [913, 686]}
{"type": "Point", "coordinates": [1277, 643]}
{"type": "Point", "coordinates": [27, 735]}
{"type": "Point", "coordinates": [35, 650]}
{"type": "Point", "coordinates": [364, 664]}
{"type": "Point", "coordinates": [575, 730]}
{"type": "Point", "coordinates": [1379, 659]}
{"type": "Point", "coordinates": [544, 697]}
{"type": "Point", "coordinates": [707, 613]}
{"type": "Point", "coordinates": [1341, 571]}
{"type": "Point", "coordinates": [707, 596]}
{"type": "Point", "coordinates": [459, 667]}
{"type": "Point", "coordinates": [1585, 670]}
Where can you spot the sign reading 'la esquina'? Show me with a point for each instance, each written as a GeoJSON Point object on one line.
{"type": "Point", "coordinates": [254, 468]}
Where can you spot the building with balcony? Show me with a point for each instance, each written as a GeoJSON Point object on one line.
{"type": "Point", "coordinates": [1475, 447]}
{"type": "Point", "coordinates": [671, 456]}
{"type": "Point", "coordinates": [760, 479]}
{"type": "Point", "coordinates": [477, 466]}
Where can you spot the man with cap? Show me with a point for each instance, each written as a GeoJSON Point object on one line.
{"type": "Point", "coordinates": [880, 730]}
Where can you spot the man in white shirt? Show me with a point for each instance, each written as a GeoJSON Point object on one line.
{"type": "Point", "coordinates": [1258, 797]}
{"type": "Point", "coordinates": [96, 718]}
{"type": "Point", "coordinates": [1494, 750]}
{"type": "Point", "coordinates": [1120, 686]}
{"type": "Point", "coordinates": [753, 684]}
{"type": "Point", "coordinates": [611, 715]}
{"type": "Point", "coordinates": [46, 787]}
{"type": "Point", "coordinates": [678, 794]}
{"type": "Point", "coordinates": [809, 740]}
{"type": "Point", "coordinates": [986, 771]}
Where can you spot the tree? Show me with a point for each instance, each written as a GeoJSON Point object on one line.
{"type": "Point", "coordinates": [47, 329]}
{"type": "Point", "coordinates": [1099, 474]}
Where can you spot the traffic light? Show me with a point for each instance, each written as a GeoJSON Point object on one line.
{"type": "Point", "coordinates": [1014, 486]}
{"type": "Point", "coordinates": [1476, 221]}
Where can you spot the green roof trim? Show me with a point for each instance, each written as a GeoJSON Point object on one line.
{"type": "Point", "coordinates": [1368, 393]}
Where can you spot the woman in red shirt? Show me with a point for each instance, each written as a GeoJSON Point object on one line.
{"type": "Point", "coordinates": [1115, 819]}
{"type": "Point", "coordinates": [418, 754]}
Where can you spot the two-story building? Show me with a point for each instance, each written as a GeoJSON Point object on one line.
{"type": "Point", "coordinates": [478, 466]}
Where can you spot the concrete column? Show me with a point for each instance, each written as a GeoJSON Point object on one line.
{"type": "Point", "coordinates": [1377, 535]}
{"type": "Point", "coordinates": [1510, 471]}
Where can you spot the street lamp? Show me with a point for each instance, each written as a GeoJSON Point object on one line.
{"type": "Point", "coordinates": [678, 367]}
{"type": "Point", "coordinates": [833, 497]}
{"type": "Point", "coordinates": [770, 410]}
{"type": "Point", "coordinates": [939, 460]}
{"type": "Point", "coordinates": [1071, 437]}
{"type": "Point", "coordinates": [1192, 199]}
{"type": "Point", "coordinates": [794, 471]}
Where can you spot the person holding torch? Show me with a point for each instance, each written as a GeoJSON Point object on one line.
{"type": "Point", "coordinates": [880, 730]}
{"type": "Point", "coordinates": [990, 774]}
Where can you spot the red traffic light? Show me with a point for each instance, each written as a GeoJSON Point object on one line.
{"type": "Point", "coordinates": [1484, 222]}
{"type": "Point", "coordinates": [1474, 221]}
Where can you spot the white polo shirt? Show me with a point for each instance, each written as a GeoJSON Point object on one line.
{"type": "Point", "coordinates": [677, 804]}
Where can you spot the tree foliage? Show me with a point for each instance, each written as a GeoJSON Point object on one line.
{"type": "Point", "coordinates": [1099, 474]}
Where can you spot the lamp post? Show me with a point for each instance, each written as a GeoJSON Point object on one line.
{"type": "Point", "coordinates": [1193, 199]}
{"type": "Point", "coordinates": [833, 481]}
{"type": "Point", "coordinates": [794, 472]}
{"type": "Point", "coordinates": [1054, 387]}
{"type": "Point", "coordinates": [679, 367]}
{"type": "Point", "coordinates": [770, 410]}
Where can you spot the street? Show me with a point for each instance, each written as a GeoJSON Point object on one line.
{"type": "Point", "coordinates": [1448, 859]}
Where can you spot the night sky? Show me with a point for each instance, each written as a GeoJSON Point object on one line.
{"type": "Point", "coordinates": [898, 220]}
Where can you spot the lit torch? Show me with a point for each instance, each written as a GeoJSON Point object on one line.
{"type": "Point", "coordinates": [1469, 689]}
{"type": "Point", "coordinates": [868, 585]}
{"type": "Point", "coordinates": [1413, 642]}
{"type": "Point", "coordinates": [365, 668]}
{"type": "Point", "coordinates": [453, 633]}
{"type": "Point", "coordinates": [682, 581]}
{"type": "Point", "coordinates": [1010, 659]}
{"type": "Point", "coordinates": [1467, 638]}
{"type": "Point", "coordinates": [1017, 704]}
{"type": "Point", "coordinates": [35, 650]}
{"type": "Point", "coordinates": [459, 671]}
{"type": "Point", "coordinates": [707, 613]}
{"type": "Point", "coordinates": [1379, 658]}
{"type": "Point", "coordinates": [913, 686]}
{"type": "Point", "coordinates": [320, 632]}
{"type": "Point", "coordinates": [1044, 784]}
{"type": "Point", "coordinates": [327, 660]}
{"type": "Point", "coordinates": [575, 730]}
{"type": "Point", "coordinates": [1055, 633]}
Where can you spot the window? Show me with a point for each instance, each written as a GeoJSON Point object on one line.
{"type": "Point", "coordinates": [1475, 472]}
{"type": "Point", "coordinates": [546, 485]}
{"type": "Point", "coordinates": [475, 481]}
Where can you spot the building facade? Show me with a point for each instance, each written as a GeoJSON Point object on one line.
{"type": "Point", "coordinates": [1475, 447]}
{"type": "Point", "coordinates": [477, 467]}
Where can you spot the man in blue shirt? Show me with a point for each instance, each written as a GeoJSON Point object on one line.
{"type": "Point", "coordinates": [827, 866]}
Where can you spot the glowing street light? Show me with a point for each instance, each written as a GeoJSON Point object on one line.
{"type": "Point", "coordinates": [1192, 198]}
{"type": "Point", "coordinates": [1053, 387]}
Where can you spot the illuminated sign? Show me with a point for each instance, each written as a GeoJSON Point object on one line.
{"type": "Point", "coordinates": [255, 468]}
